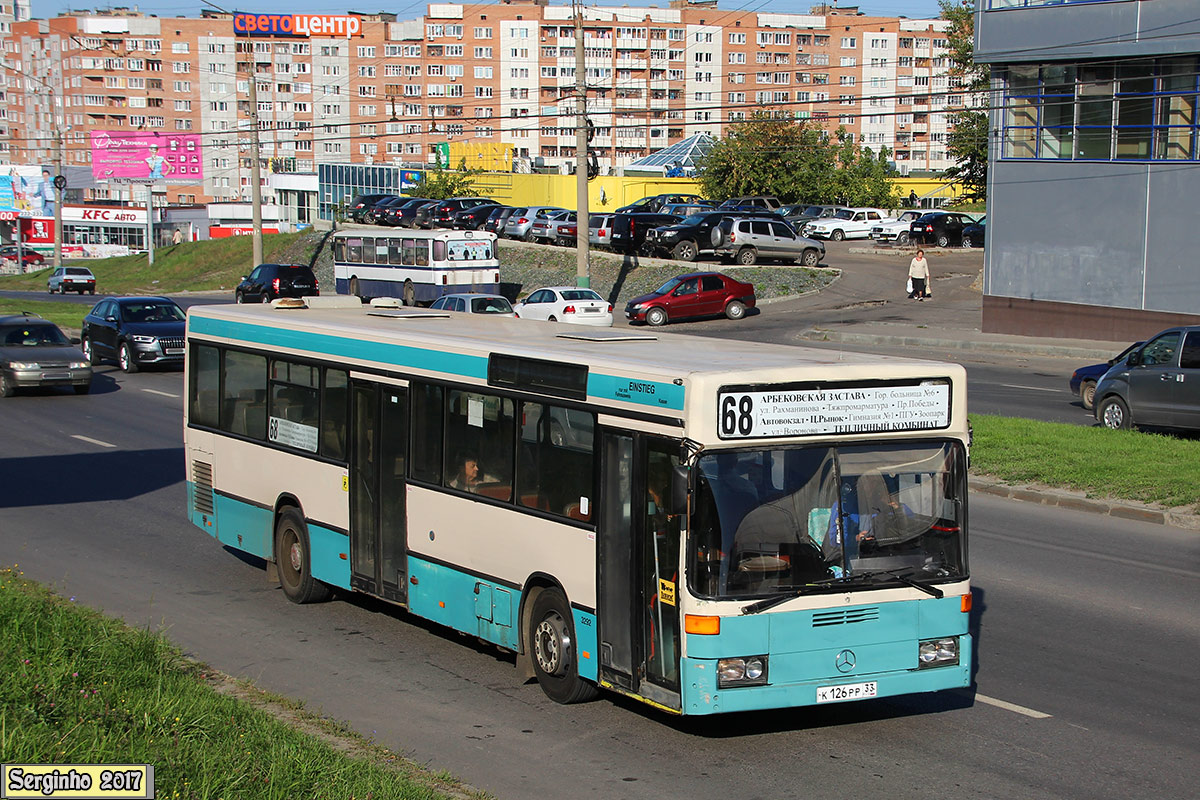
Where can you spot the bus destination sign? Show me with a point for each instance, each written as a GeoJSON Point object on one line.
{"type": "Point", "coordinates": [833, 410]}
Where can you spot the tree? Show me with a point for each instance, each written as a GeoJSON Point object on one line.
{"type": "Point", "coordinates": [772, 154]}
{"type": "Point", "coordinates": [967, 142]}
{"type": "Point", "coordinates": [440, 183]}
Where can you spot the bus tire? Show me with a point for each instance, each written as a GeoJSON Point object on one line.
{"type": "Point", "coordinates": [354, 288]}
{"type": "Point", "coordinates": [410, 293]}
{"type": "Point", "coordinates": [294, 560]}
{"type": "Point", "coordinates": [551, 645]}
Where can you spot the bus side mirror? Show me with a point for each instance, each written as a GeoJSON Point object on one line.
{"type": "Point", "coordinates": [679, 491]}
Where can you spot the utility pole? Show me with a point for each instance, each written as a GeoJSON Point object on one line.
{"type": "Point", "coordinates": [58, 195]}
{"type": "Point", "coordinates": [583, 275]}
{"type": "Point", "coordinates": [255, 176]}
{"type": "Point", "coordinates": [149, 223]}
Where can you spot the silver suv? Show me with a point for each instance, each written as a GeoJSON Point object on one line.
{"type": "Point", "coordinates": [748, 240]}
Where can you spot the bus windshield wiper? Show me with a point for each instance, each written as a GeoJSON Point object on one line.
{"type": "Point", "coordinates": [771, 602]}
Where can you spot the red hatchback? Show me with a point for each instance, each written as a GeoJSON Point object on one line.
{"type": "Point", "coordinates": [697, 294]}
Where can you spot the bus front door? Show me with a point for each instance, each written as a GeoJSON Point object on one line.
{"type": "Point", "coordinates": [378, 529]}
{"type": "Point", "coordinates": [638, 566]}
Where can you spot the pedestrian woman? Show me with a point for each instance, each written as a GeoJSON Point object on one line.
{"type": "Point", "coordinates": [918, 273]}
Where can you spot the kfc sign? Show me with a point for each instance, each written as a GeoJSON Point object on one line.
{"type": "Point", "coordinates": [101, 215]}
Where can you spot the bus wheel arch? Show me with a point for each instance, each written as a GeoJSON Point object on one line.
{"type": "Point", "coordinates": [410, 293]}
{"type": "Point", "coordinates": [354, 286]}
{"type": "Point", "coordinates": [293, 554]}
{"type": "Point", "coordinates": [549, 645]}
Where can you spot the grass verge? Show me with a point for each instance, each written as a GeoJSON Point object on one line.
{"type": "Point", "coordinates": [68, 316]}
{"type": "Point", "coordinates": [78, 687]}
{"type": "Point", "coordinates": [1128, 465]}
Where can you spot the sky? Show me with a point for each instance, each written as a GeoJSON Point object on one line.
{"type": "Point", "coordinates": [407, 9]}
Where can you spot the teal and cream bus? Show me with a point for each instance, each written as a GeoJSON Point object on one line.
{"type": "Point", "coordinates": [707, 526]}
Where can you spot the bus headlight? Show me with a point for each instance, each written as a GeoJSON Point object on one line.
{"type": "Point", "coordinates": [749, 671]}
{"type": "Point", "coordinates": [937, 652]}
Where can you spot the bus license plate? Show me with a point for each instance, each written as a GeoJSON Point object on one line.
{"type": "Point", "coordinates": [847, 691]}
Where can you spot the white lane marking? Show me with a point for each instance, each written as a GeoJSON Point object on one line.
{"type": "Point", "coordinates": [1030, 388]}
{"type": "Point", "coordinates": [156, 391]}
{"type": "Point", "coordinates": [1029, 712]}
{"type": "Point", "coordinates": [89, 440]}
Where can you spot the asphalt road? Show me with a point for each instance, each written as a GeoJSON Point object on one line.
{"type": "Point", "coordinates": [1086, 630]}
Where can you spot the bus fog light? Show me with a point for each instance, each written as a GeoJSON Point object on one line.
{"type": "Point", "coordinates": [937, 652]}
{"type": "Point", "coordinates": [751, 671]}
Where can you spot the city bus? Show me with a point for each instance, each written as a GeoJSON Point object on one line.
{"type": "Point", "coordinates": [417, 266]}
{"type": "Point", "coordinates": [705, 525]}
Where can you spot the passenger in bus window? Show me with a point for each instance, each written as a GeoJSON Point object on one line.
{"type": "Point", "coordinates": [469, 475]}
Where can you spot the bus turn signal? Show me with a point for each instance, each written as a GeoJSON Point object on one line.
{"type": "Point", "coordinates": [706, 626]}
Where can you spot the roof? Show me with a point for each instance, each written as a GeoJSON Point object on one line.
{"type": "Point", "coordinates": [686, 154]}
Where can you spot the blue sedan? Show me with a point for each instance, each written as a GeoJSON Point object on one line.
{"type": "Point", "coordinates": [1083, 380]}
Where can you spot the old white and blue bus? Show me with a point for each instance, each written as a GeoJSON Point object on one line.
{"type": "Point", "coordinates": [707, 526]}
{"type": "Point", "coordinates": [417, 266]}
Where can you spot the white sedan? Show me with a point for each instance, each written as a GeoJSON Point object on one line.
{"type": "Point", "coordinates": [566, 304]}
{"type": "Point", "coordinates": [846, 223]}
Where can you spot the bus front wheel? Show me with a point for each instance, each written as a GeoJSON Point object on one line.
{"type": "Point", "coordinates": [552, 649]}
{"type": "Point", "coordinates": [294, 560]}
{"type": "Point", "coordinates": [410, 293]}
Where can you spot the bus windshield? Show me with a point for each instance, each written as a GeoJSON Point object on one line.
{"type": "Point", "coordinates": [788, 521]}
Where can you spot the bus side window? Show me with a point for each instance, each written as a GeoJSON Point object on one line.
{"type": "Point", "coordinates": [423, 253]}
{"type": "Point", "coordinates": [425, 456]}
{"type": "Point", "coordinates": [410, 252]}
{"type": "Point", "coordinates": [339, 249]}
{"type": "Point", "coordinates": [206, 383]}
{"type": "Point", "coordinates": [244, 406]}
{"type": "Point", "coordinates": [394, 252]}
{"type": "Point", "coordinates": [439, 250]}
{"type": "Point", "coordinates": [381, 250]}
{"type": "Point", "coordinates": [368, 250]}
{"type": "Point", "coordinates": [354, 251]}
{"type": "Point", "coordinates": [334, 413]}
{"type": "Point", "coordinates": [480, 427]}
{"type": "Point", "coordinates": [555, 463]}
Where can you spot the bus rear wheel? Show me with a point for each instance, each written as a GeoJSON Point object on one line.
{"type": "Point", "coordinates": [551, 645]}
{"type": "Point", "coordinates": [410, 293]}
{"type": "Point", "coordinates": [294, 560]}
{"type": "Point", "coordinates": [354, 288]}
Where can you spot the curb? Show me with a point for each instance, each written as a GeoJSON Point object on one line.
{"type": "Point", "coordinates": [1032, 348]}
{"type": "Point", "coordinates": [1076, 502]}
{"type": "Point", "coordinates": [910, 249]}
{"type": "Point", "coordinates": [782, 298]}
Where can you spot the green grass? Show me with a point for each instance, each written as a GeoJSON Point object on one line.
{"type": "Point", "coordinates": [78, 687]}
{"type": "Point", "coordinates": [193, 266]}
{"type": "Point", "coordinates": [1126, 465]}
{"type": "Point", "coordinates": [68, 316]}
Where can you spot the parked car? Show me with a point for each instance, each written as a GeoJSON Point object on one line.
{"type": "Point", "coordinates": [566, 231]}
{"type": "Point", "coordinates": [472, 217]}
{"type": "Point", "coordinates": [521, 221]}
{"type": "Point", "coordinates": [896, 230]}
{"type": "Point", "coordinates": [71, 279]}
{"type": "Point", "coordinates": [362, 203]}
{"type": "Point", "coordinates": [424, 216]}
{"type": "Point", "coordinates": [545, 229]}
{"type": "Point", "coordinates": [765, 202]}
{"type": "Point", "coordinates": [810, 213]}
{"type": "Point", "coordinates": [749, 240]}
{"type": "Point", "coordinates": [943, 228]}
{"type": "Point", "coordinates": [1083, 380]}
{"type": "Point", "coordinates": [1157, 385]}
{"type": "Point", "coordinates": [654, 203]}
{"type": "Point", "coordinates": [688, 238]}
{"type": "Point", "coordinates": [628, 234]}
{"type": "Point", "coordinates": [443, 213]}
{"type": "Point", "coordinates": [415, 215]}
{"type": "Point", "coordinates": [974, 234]}
{"type": "Point", "coordinates": [846, 223]}
{"type": "Point", "coordinates": [378, 214]}
{"type": "Point", "coordinates": [28, 257]}
{"type": "Point", "coordinates": [496, 219]}
{"type": "Point", "coordinates": [697, 294]}
{"type": "Point", "coordinates": [269, 282]}
{"type": "Point", "coordinates": [491, 304]}
{"type": "Point", "coordinates": [34, 352]}
{"type": "Point", "coordinates": [600, 229]}
{"type": "Point", "coordinates": [392, 215]}
{"type": "Point", "coordinates": [566, 304]}
{"type": "Point", "coordinates": [135, 331]}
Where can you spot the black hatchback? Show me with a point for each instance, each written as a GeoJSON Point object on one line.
{"type": "Point", "coordinates": [943, 228]}
{"type": "Point", "coordinates": [362, 204]}
{"type": "Point", "coordinates": [136, 331]}
{"type": "Point", "coordinates": [271, 281]}
{"type": "Point", "coordinates": [628, 233]}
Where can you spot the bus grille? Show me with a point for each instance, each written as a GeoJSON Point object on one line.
{"type": "Point", "coordinates": [845, 617]}
{"type": "Point", "coordinates": [202, 491]}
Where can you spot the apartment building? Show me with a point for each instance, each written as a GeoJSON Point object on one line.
{"type": "Point", "coordinates": [374, 89]}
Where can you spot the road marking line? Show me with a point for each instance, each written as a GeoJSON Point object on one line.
{"type": "Point", "coordinates": [91, 441]}
{"type": "Point", "coordinates": [156, 391]}
{"type": "Point", "coordinates": [1029, 712]}
{"type": "Point", "coordinates": [1031, 388]}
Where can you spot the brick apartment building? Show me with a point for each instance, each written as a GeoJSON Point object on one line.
{"type": "Point", "coordinates": [379, 90]}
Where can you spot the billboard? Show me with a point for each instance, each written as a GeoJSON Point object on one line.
{"type": "Point", "coordinates": [27, 190]}
{"type": "Point", "coordinates": [333, 25]}
{"type": "Point", "coordinates": [147, 157]}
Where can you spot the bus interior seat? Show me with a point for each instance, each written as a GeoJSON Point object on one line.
{"type": "Point", "coordinates": [535, 500]}
{"type": "Point", "coordinates": [572, 511]}
{"type": "Point", "coordinates": [496, 491]}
